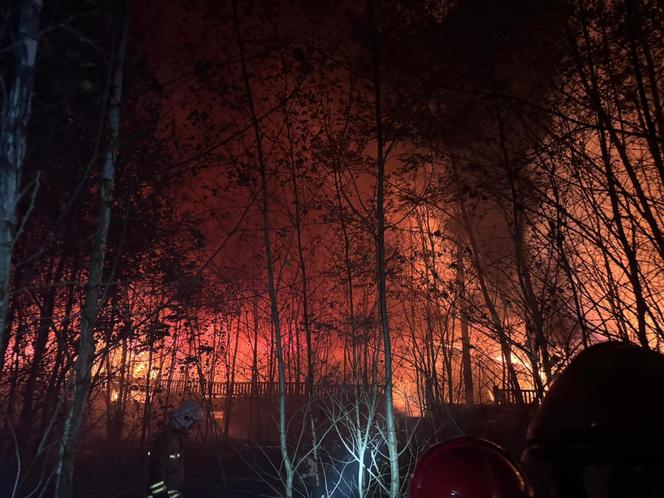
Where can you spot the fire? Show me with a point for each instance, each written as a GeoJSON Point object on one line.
{"type": "Point", "coordinates": [141, 365]}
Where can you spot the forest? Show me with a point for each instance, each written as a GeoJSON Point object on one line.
{"type": "Point", "coordinates": [343, 228]}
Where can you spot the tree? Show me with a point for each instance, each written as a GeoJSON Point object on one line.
{"type": "Point", "coordinates": [83, 367]}
{"type": "Point", "coordinates": [381, 273]}
{"type": "Point", "coordinates": [274, 303]}
{"type": "Point", "coordinates": [13, 144]}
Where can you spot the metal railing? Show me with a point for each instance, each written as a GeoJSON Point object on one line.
{"type": "Point", "coordinates": [513, 397]}
{"type": "Point", "coordinates": [254, 389]}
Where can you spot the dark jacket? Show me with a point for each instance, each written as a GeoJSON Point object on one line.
{"type": "Point", "coordinates": [166, 465]}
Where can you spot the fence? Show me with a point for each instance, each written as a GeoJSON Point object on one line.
{"type": "Point", "coordinates": [254, 389]}
{"type": "Point", "coordinates": [511, 397]}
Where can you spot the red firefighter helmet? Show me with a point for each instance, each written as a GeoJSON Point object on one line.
{"type": "Point", "coordinates": [467, 468]}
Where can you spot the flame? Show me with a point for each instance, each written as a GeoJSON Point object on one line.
{"type": "Point", "coordinates": [141, 367]}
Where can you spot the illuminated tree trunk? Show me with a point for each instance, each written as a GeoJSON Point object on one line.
{"type": "Point", "coordinates": [13, 144]}
{"type": "Point", "coordinates": [361, 431]}
{"type": "Point", "coordinates": [274, 303]}
{"type": "Point", "coordinates": [83, 367]}
{"type": "Point", "coordinates": [361, 421]}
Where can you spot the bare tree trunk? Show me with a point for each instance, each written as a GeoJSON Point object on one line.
{"type": "Point", "coordinates": [434, 382]}
{"type": "Point", "coordinates": [559, 236]}
{"type": "Point", "coordinates": [39, 346]}
{"type": "Point", "coordinates": [532, 312]}
{"type": "Point", "coordinates": [270, 369]}
{"type": "Point", "coordinates": [60, 364]}
{"type": "Point", "coordinates": [254, 373]}
{"type": "Point", "coordinates": [392, 444]}
{"type": "Point", "coordinates": [115, 433]}
{"type": "Point", "coordinates": [609, 134]}
{"type": "Point", "coordinates": [173, 362]}
{"type": "Point", "coordinates": [465, 335]}
{"type": "Point", "coordinates": [13, 144]}
{"type": "Point", "coordinates": [303, 272]}
{"type": "Point", "coordinates": [305, 305]}
{"type": "Point", "coordinates": [356, 364]}
{"type": "Point", "coordinates": [147, 405]}
{"type": "Point", "coordinates": [503, 339]}
{"type": "Point", "coordinates": [83, 367]}
{"type": "Point", "coordinates": [109, 394]}
{"type": "Point", "coordinates": [274, 303]}
{"type": "Point", "coordinates": [361, 431]}
{"type": "Point", "coordinates": [592, 89]}
{"type": "Point", "coordinates": [230, 378]}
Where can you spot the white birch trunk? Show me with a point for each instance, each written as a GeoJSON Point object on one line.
{"type": "Point", "coordinates": [13, 145]}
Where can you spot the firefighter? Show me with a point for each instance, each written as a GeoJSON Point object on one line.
{"type": "Point", "coordinates": [467, 468]}
{"type": "Point", "coordinates": [165, 457]}
{"type": "Point", "coordinates": [599, 432]}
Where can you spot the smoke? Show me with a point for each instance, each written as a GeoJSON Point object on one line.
{"type": "Point", "coordinates": [480, 77]}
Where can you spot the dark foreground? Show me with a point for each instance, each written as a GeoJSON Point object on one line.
{"type": "Point", "coordinates": [237, 469]}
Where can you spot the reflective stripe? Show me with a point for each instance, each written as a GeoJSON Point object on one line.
{"type": "Point", "coordinates": [174, 493]}
{"type": "Point", "coordinates": [158, 487]}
